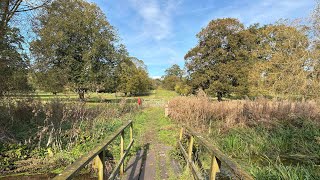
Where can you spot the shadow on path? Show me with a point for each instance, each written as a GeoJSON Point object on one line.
{"type": "Point", "coordinates": [136, 166]}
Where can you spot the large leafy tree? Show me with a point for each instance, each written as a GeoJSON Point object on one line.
{"type": "Point", "coordinates": [13, 63]}
{"type": "Point", "coordinates": [283, 64]}
{"type": "Point", "coordinates": [75, 40]}
{"type": "Point", "coordinates": [220, 62]}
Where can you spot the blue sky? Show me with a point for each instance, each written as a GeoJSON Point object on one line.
{"type": "Point", "coordinates": [160, 32]}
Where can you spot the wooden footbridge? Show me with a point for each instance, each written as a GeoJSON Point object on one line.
{"type": "Point", "coordinates": [219, 164]}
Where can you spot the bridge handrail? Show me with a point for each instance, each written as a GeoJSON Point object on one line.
{"type": "Point", "coordinates": [98, 154]}
{"type": "Point", "coordinates": [216, 157]}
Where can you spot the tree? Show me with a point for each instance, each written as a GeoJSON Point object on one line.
{"type": "Point", "coordinates": [174, 70]}
{"type": "Point", "coordinates": [8, 8]}
{"type": "Point", "coordinates": [75, 39]}
{"type": "Point", "coordinates": [283, 63]}
{"type": "Point", "coordinates": [52, 80]}
{"type": "Point", "coordinates": [314, 51]}
{"type": "Point", "coordinates": [133, 77]}
{"type": "Point", "coordinates": [13, 63]}
{"type": "Point", "coordinates": [220, 62]}
{"type": "Point", "coordinates": [173, 76]}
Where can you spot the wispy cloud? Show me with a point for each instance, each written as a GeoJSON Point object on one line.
{"type": "Point", "coordinates": [156, 17]}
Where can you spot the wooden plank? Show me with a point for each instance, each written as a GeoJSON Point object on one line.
{"type": "Point", "coordinates": [73, 168]}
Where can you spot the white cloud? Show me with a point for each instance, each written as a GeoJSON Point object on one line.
{"type": "Point", "coordinates": [156, 77]}
{"type": "Point", "coordinates": [156, 17]}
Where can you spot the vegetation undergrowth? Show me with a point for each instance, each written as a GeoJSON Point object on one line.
{"type": "Point", "coordinates": [46, 137]}
{"type": "Point", "coordinates": [270, 139]}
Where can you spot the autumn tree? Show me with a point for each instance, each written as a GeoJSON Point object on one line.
{"type": "Point", "coordinates": [315, 51]}
{"type": "Point", "coordinates": [283, 63]}
{"type": "Point", "coordinates": [75, 40]}
{"type": "Point", "coordinates": [220, 62]}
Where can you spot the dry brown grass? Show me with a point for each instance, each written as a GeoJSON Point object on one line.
{"type": "Point", "coordinates": [199, 112]}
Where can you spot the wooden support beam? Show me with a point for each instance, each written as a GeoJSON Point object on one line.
{"type": "Point", "coordinates": [181, 134]}
{"type": "Point", "coordinates": [214, 169]}
{"type": "Point", "coordinates": [190, 148]}
{"type": "Point", "coordinates": [100, 160]}
{"type": "Point", "coordinates": [121, 152]}
{"type": "Point", "coordinates": [131, 132]}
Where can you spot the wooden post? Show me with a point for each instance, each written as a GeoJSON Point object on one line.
{"type": "Point", "coordinates": [100, 165]}
{"type": "Point", "coordinates": [190, 148]}
{"type": "Point", "coordinates": [121, 152]}
{"type": "Point", "coordinates": [214, 168]}
{"type": "Point", "coordinates": [166, 110]}
{"type": "Point", "coordinates": [131, 132]}
{"type": "Point", "coordinates": [181, 134]}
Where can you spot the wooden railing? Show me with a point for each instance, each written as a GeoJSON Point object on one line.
{"type": "Point", "coordinates": [98, 154]}
{"type": "Point", "coordinates": [217, 157]}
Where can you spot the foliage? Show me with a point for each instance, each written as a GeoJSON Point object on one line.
{"type": "Point", "coordinates": [34, 131]}
{"type": "Point", "coordinates": [133, 77]}
{"type": "Point", "coordinates": [80, 46]}
{"type": "Point", "coordinates": [183, 88]}
{"type": "Point", "coordinates": [272, 60]}
{"type": "Point", "coordinates": [173, 79]}
{"type": "Point", "coordinates": [174, 70]}
{"type": "Point", "coordinates": [13, 63]}
{"type": "Point", "coordinates": [283, 66]}
{"type": "Point", "coordinates": [220, 62]}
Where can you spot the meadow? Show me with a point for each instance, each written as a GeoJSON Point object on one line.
{"type": "Point", "coordinates": [42, 132]}
{"type": "Point", "coordinates": [269, 138]}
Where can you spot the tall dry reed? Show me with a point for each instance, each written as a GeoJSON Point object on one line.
{"type": "Point", "coordinates": [199, 111]}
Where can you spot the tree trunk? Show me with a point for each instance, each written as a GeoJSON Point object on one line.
{"type": "Point", "coordinates": [81, 95]}
{"type": "Point", "coordinates": [219, 96]}
{"type": "Point", "coordinates": [3, 19]}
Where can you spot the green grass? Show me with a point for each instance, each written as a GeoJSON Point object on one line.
{"type": "Point", "coordinates": [287, 151]}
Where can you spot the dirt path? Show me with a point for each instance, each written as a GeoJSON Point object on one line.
{"type": "Point", "coordinates": [153, 161]}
